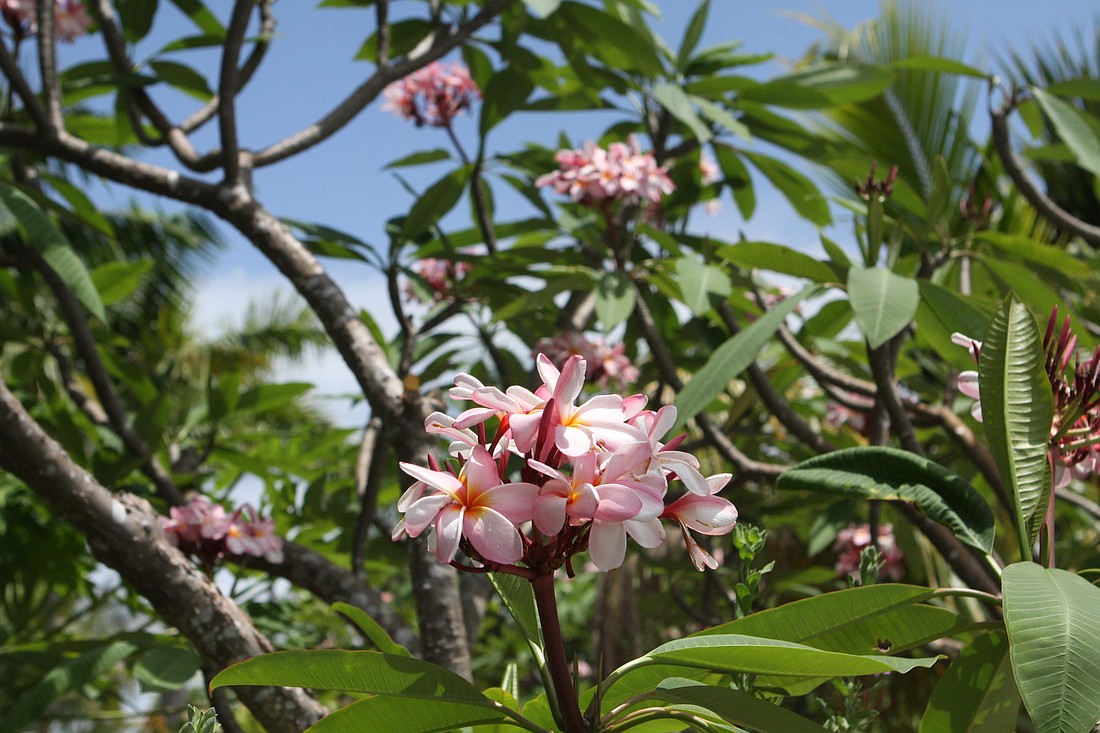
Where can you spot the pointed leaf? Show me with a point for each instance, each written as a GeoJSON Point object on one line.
{"type": "Point", "coordinates": [397, 715]}
{"type": "Point", "coordinates": [734, 706]}
{"type": "Point", "coordinates": [165, 668]}
{"type": "Point", "coordinates": [434, 203]}
{"type": "Point", "coordinates": [824, 85]}
{"type": "Point", "coordinates": [939, 65]}
{"type": "Point", "coordinates": [884, 303]}
{"type": "Point", "coordinates": [678, 104]}
{"type": "Point", "coordinates": [701, 285]}
{"type": "Point", "coordinates": [371, 629]}
{"type": "Point", "coordinates": [117, 280]}
{"type": "Point", "coordinates": [778, 258]}
{"type": "Point", "coordinates": [1053, 622]}
{"type": "Point", "coordinates": [978, 693]}
{"type": "Point", "coordinates": [732, 358]}
{"type": "Point", "coordinates": [887, 473]}
{"type": "Point", "coordinates": [799, 190]}
{"type": "Point", "coordinates": [1073, 128]}
{"type": "Point", "coordinates": [1017, 411]}
{"type": "Point", "coordinates": [730, 653]}
{"type": "Point", "coordinates": [614, 299]}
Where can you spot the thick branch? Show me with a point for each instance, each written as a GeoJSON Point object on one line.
{"type": "Point", "coordinates": [372, 87]}
{"type": "Point", "coordinates": [124, 534]}
{"type": "Point", "coordinates": [227, 89]}
{"type": "Point", "coordinates": [1043, 204]}
{"type": "Point", "coordinates": [47, 64]}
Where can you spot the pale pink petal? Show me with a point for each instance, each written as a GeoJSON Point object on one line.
{"type": "Point", "coordinates": [441, 480]}
{"type": "Point", "coordinates": [515, 501]}
{"type": "Point", "coordinates": [550, 513]}
{"type": "Point", "coordinates": [570, 382]}
{"type": "Point", "coordinates": [710, 515]}
{"type": "Point", "coordinates": [474, 416]}
{"type": "Point", "coordinates": [493, 536]}
{"type": "Point", "coordinates": [583, 503]}
{"type": "Point", "coordinates": [524, 428]}
{"type": "Point", "coordinates": [649, 534]}
{"type": "Point", "coordinates": [480, 472]}
{"type": "Point", "coordinates": [607, 544]}
{"type": "Point", "coordinates": [634, 404]}
{"type": "Point", "coordinates": [968, 385]}
{"type": "Point", "coordinates": [448, 532]}
{"type": "Point", "coordinates": [573, 441]}
{"type": "Point", "coordinates": [548, 471]}
{"type": "Point", "coordinates": [718, 481]}
{"type": "Point", "coordinates": [423, 512]}
{"type": "Point", "coordinates": [617, 504]}
{"type": "Point", "coordinates": [547, 371]}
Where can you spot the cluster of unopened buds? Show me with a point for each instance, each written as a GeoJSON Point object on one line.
{"type": "Point", "coordinates": [606, 364]}
{"type": "Point", "coordinates": [622, 172]}
{"type": "Point", "coordinates": [589, 476]}
{"type": "Point", "coordinates": [70, 18]}
{"type": "Point", "coordinates": [205, 530]}
{"type": "Point", "coordinates": [854, 539]}
{"type": "Point", "coordinates": [1075, 433]}
{"type": "Point", "coordinates": [433, 95]}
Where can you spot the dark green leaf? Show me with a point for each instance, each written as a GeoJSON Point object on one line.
{"type": "Point", "coordinates": [271, 396]}
{"type": "Point", "coordinates": [777, 258]}
{"type": "Point", "coordinates": [736, 707]}
{"type": "Point", "coordinates": [978, 693]}
{"type": "Point", "coordinates": [434, 203]}
{"type": "Point", "coordinates": [166, 668]}
{"type": "Point", "coordinates": [1087, 88]}
{"type": "Point", "coordinates": [136, 17]}
{"type": "Point", "coordinates": [824, 85]}
{"type": "Point", "coordinates": [938, 65]}
{"type": "Point", "coordinates": [795, 187]}
{"type": "Point", "coordinates": [890, 474]}
{"type": "Point", "coordinates": [184, 78]}
{"type": "Point", "coordinates": [420, 158]}
{"type": "Point", "coordinates": [396, 715]}
{"type": "Point", "coordinates": [507, 91]}
{"type": "Point", "coordinates": [201, 16]}
{"type": "Point", "coordinates": [692, 34]}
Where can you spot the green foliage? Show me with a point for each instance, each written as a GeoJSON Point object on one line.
{"type": "Point", "coordinates": [978, 694]}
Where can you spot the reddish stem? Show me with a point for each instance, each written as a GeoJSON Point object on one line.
{"type": "Point", "coordinates": [547, 605]}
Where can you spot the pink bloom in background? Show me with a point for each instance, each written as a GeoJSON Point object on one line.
{"type": "Point", "coordinates": [204, 529]}
{"type": "Point", "coordinates": [590, 476]}
{"type": "Point", "coordinates": [440, 276]}
{"type": "Point", "coordinates": [594, 176]}
{"type": "Point", "coordinates": [607, 364]}
{"type": "Point", "coordinates": [70, 18]}
{"type": "Point", "coordinates": [851, 542]}
{"type": "Point", "coordinates": [433, 95]}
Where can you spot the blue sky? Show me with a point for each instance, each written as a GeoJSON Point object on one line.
{"type": "Point", "coordinates": [341, 183]}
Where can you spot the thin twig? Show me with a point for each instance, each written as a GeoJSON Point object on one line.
{"type": "Point", "coordinates": [370, 467]}
{"type": "Point", "coordinates": [10, 66]}
{"type": "Point", "coordinates": [382, 18]}
{"type": "Point", "coordinates": [227, 89]}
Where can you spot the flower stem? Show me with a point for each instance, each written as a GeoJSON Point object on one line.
{"type": "Point", "coordinates": [563, 691]}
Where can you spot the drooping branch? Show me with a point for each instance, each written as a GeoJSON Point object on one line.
{"type": "Point", "coordinates": [355, 102]}
{"type": "Point", "coordinates": [124, 533]}
{"type": "Point", "coordinates": [1046, 206]}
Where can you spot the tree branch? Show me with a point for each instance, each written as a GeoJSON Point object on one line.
{"type": "Point", "coordinates": [10, 67]}
{"type": "Point", "coordinates": [1043, 204]}
{"type": "Point", "coordinates": [47, 64]}
{"type": "Point", "coordinates": [227, 89]}
{"type": "Point", "coordinates": [372, 87]}
{"type": "Point", "coordinates": [124, 533]}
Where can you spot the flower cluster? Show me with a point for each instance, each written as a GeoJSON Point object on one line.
{"type": "Point", "coordinates": [70, 18]}
{"type": "Point", "coordinates": [606, 364]}
{"type": "Point", "coordinates": [1075, 433]}
{"type": "Point", "coordinates": [440, 276]}
{"type": "Point", "coordinates": [590, 475]}
{"type": "Point", "coordinates": [593, 176]}
{"type": "Point", "coordinates": [433, 95]}
{"type": "Point", "coordinates": [205, 530]}
{"type": "Point", "coordinates": [853, 540]}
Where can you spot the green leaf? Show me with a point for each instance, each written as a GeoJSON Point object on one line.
{"type": "Point", "coordinates": [136, 17]}
{"type": "Point", "coordinates": [166, 668]}
{"type": "Point", "coordinates": [542, 8]}
{"type": "Point", "coordinates": [1073, 128]}
{"type": "Point", "coordinates": [614, 299]}
{"type": "Point", "coordinates": [719, 116]}
{"type": "Point", "coordinates": [795, 187]}
{"type": "Point", "coordinates": [371, 629]}
{"type": "Point", "coordinates": [184, 78]}
{"type": "Point", "coordinates": [66, 677]}
{"type": "Point", "coordinates": [956, 312]}
{"type": "Point", "coordinates": [732, 358]}
{"type": "Point", "coordinates": [373, 673]}
{"type": "Point", "coordinates": [878, 472]}
{"type": "Point", "coordinates": [701, 285]}
{"type": "Point", "coordinates": [440, 198]}
{"type": "Point", "coordinates": [1087, 88]}
{"type": "Point", "coordinates": [42, 235]}
{"type": "Point", "coordinates": [405, 35]}
{"type": "Point", "coordinates": [938, 65]}
{"type": "Point", "coordinates": [824, 85]}
{"type": "Point", "coordinates": [1053, 622]}
{"type": "Point", "coordinates": [729, 653]}
{"type": "Point", "coordinates": [420, 158]}
{"type": "Point", "coordinates": [735, 707]}
{"type": "Point", "coordinates": [519, 599]}
{"type": "Point", "coordinates": [978, 693]}
{"type": "Point", "coordinates": [266, 397]}
{"type": "Point", "coordinates": [117, 280]}
{"type": "Point", "coordinates": [1026, 249]}
{"type": "Point", "coordinates": [207, 22]}
{"type": "Point", "coordinates": [507, 91]}
{"type": "Point", "coordinates": [1017, 412]}
{"type": "Point", "coordinates": [617, 44]}
{"type": "Point", "coordinates": [692, 34]}
{"type": "Point", "coordinates": [737, 178]}
{"type": "Point", "coordinates": [678, 104]}
{"type": "Point", "coordinates": [884, 303]}
{"type": "Point", "coordinates": [396, 715]}
{"type": "Point", "coordinates": [777, 258]}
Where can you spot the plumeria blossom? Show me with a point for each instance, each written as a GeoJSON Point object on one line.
{"type": "Point", "coordinates": [851, 541]}
{"type": "Point", "coordinates": [204, 529]}
{"type": "Point", "coordinates": [595, 177]}
{"type": "Point", "coordinates": [607, 364]}
{"type": "Point", "coordinates": [590, 476]}
{"type": "Point", "coordinates": [433, 95]}
{"type": "Point", "coordinates": [71, 19]}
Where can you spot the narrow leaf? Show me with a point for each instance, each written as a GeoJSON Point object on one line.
{"type": "Point", "coordinates": [1017, 411]}
{"type": "Point", "coordinates": [397, 715]}
{"type": "Point", "coordinates": [678, 104]}
{"type": "Point", "coordinates": [884, 303]}
{"type": "Point", "coordinates": [799, 190]}
{"type": "Point", "coordinates": [778, 258]}
{"type": "Point", "coordinates": [732, 358]}
{"type": "Point", "coordinates": [1053, 622]}
{"type": "Point", "coordinates": [440, 198]}
{"type": "Point", "coordinates": [939, 65]}
{"type": "Point", "coordinates": [1073, 128]}
{"type": "Point", "coordinates": [736, 707]}
{"type": "Point", "coordinates": [371, 629]}
{"type": "Point", "coordinates": [887, 473]}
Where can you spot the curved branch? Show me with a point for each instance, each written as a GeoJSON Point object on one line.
{"type": "Point", "coordinates": [124, 534]}
{"type": "Point", "coordinates": [18, 82]}
{"type": "Point", "coordinates": [355, 102]}
{"type": "Point", "coordinates": [1043, 204]}
{"type": "Point", "coordinates": [227, 89]}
